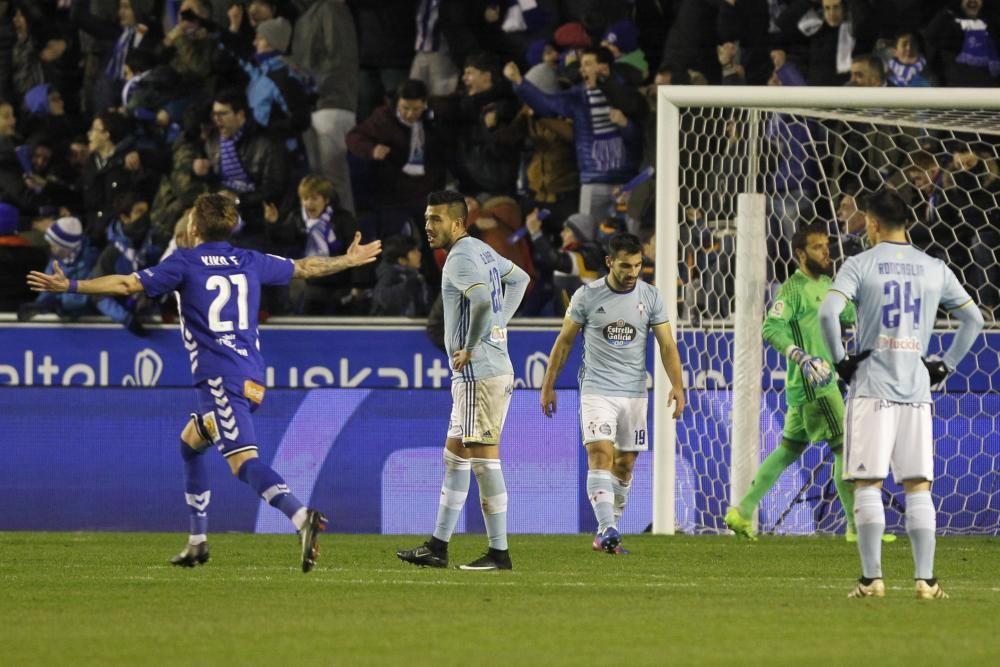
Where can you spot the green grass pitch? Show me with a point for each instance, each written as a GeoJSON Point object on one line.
{"type": "Point", "coordinates": [112, 599]}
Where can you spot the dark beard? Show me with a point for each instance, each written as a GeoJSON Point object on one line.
{"type": "Point", "coordinates": [818, 269]}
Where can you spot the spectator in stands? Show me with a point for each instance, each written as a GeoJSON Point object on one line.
{"type": "Point", "coordinates": [487, 150]}
{"type": "Point", "coordinates": [432, 62]}
{"type": "Point", "coordinates": [962, 44]}
{"type": "Point", "coordinates": [326, 45]}
{"type": "Point", "coordinates": [562, 270]}
{"type": "Point", "coordinates": [135, 28]}
{"type": "Point", "coordinates": [112, 167]}
{"type": "Point", "coordinates": [400, 290]}
{"type": "Point", "coordinates": [385, 51]}
{"type": "Point", "coordinates": [244, 161]}
{"type": "Point", "coordinates": [26, 66]}
{"type": "Point", "coordinates": [241, 33]}
{"type": "Point", "coordinates": [608, 141]}
{"type": "Point", "coordinates": [45, 115]}
{"type": "Point", "coordinates": [867, 71]}
{"type": "Point", "coordinates": [17, 255]}
{"type": "Point", "coordinates": [129, 249]}
{"type": "Point", "coordinates": [191, 50]}
{"type": "Point", "coordinates": [907, 67]}
{"type": "Point", "coordinates": [622, 39]}
{"type": "Point", "coordinates": [319, 227]}
{"type": "Point", "coordinates": [833, 35]}
{"type": "Point", "coordinates": [408, 149]}
{"type": "Point", "coordinates": [77, 257]}
{"type": "Point", "coordinates": [180, 186]}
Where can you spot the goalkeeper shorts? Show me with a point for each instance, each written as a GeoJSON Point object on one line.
{"type": "Point", "coordinates": [881, 433]}
{"type": "Point", "coordinates": [819, 420]}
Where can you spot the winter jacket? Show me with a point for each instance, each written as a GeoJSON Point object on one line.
{"type": "Point", "coordinates": [325, 45]}
{"type": "Point", "coordinates": [399, 292]}
{"type": "Point", "coordinates": [393, 187]}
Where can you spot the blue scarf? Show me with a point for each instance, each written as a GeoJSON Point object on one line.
{"type": "Point", "coordinates": [902, 76]}
{"type": "Point", "coordinates": [234, 176]}
{"type": "Point", "coordinates": [322, 240]}
{"type": "Point", "coordinates": [116, 64]}
{"type": "Point", "coordinates": [978, 49]}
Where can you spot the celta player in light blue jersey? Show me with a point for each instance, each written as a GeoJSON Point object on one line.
{"type": "Point", "coordinates": [481, 290]}
{"type": "Point", "coordinates": [615, 314]}
{"type": "Point", "coordinates": [896, 290]}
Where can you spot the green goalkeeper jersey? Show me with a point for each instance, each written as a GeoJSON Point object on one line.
{"type": "Point", "coordinates": [794, 320]}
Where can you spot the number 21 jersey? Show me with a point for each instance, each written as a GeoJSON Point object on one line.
{"type": "Point", "coordinates": [218, 288]}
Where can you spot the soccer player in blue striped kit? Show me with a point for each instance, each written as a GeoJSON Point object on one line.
{"type": "Point", "coordinates": [896, 290]}
{"type": "Point", "coordinates": [480, 290]}
{"type": "Point", "coordinates": [218, 288]}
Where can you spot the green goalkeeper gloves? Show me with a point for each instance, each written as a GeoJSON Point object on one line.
{"type": "Point", "coordinates": [815, 370]}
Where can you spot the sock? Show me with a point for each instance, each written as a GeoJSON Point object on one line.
{"type": "Point", "coordinates": [493, 496]}
{"type": "Point", "coordinates": [196, 492]}
{"type": "Point", "coordinates": [620, 488]}
{"type": "Point", "coordinates": [601, 492]}
{"type": "Point", "coordinates": [869, 515]}
{"type": "Point", "coordinates": [768, 473]}
{"type": "Point", "coordinates": [272, 488]}
{"type": "Point", "coordinates": [845, 489]}
{"type": "Point", "coordinates": [921, 523]}
{"type": "Point", "coordinates": [454, 491]}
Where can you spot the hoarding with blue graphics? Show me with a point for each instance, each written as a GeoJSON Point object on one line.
{"type": "Point", "coordinates": [365, 357]}
{"type": "Point", "coordinates": [107, 459]}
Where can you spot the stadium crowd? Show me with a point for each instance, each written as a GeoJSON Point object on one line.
{"type": "Point", "coordinates": [326, 117]}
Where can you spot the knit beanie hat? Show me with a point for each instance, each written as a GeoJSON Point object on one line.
{"type": "Point", "coordinates": [277, 32]}
{"type": "Point", "coordinates": [572, 36]}
{"type": "Point", "coordinates": [67, 233]}
{"type": "Point", "coordinates": [624, 35]}
{"type": "Point", "coordinates": [582, 225]}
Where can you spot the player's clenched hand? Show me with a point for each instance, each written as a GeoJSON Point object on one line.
{"type": "Point", "coordinates": [460, 359]}
{"type": "Point", "coordinates": [677, 398]}
{"type": "Point", "coordinates": [548, 401]}
{"type": "Point", "coordinates": [359, 254]}
{"type": "Point", "coordinates": [43, 282]}
{"type": "Point", "coordinates": [847, 366]}
{"type": "Point", "coordinates": [815, 370]}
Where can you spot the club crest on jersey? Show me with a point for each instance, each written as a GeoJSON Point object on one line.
{"type": "Point", "coordinates": [619, 333]}
{"type": "Point", "coordinates": [777, 309]}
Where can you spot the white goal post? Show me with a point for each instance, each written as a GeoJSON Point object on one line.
{"type": "Point", "coordinates": [716, 156]}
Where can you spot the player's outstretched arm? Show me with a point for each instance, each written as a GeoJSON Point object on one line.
{"type": "Point", "coordinates": [113, 285]}
{"type": "Point", "coordinates": [557, 359]}
{"type": "Point", "coordinates": [670, 357]}
{"type": "Point", "coordinates": [357, 255]}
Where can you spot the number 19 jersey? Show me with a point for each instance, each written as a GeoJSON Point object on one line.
{"type": "Point", "coordinates": [896, 289]}
{"type": "Point", "coordinates": [218, 289]}
{"type": "Point", "coordinates": [472, 264]}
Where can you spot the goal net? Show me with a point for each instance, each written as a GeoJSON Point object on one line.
{"type": "Point", "coordinates": [740, 169]}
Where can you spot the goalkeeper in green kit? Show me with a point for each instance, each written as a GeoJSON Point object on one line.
{"type": "Point", "coordinates": [815, 407]}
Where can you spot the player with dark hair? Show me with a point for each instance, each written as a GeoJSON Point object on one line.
{"type": "Point", "coordinates": [480, 291]}
{"type": "Point", "coordinates": [615, 314]}
{"type": "Point", "coordinates": [218, 288]}
{"type": "Point", "coordinates": [897, 290]}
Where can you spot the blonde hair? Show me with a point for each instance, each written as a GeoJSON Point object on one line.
{"type": "Point", "coordinates": [314, 184]}
{"type": "Point", "coordinates": [214, 216]}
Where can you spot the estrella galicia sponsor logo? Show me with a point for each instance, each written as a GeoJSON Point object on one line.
{"type": "Point", "coordinates": [620, 333]}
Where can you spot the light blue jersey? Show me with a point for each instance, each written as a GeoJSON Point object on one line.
{"type": "Point", "coordinates": [473, 275]}
{"type": "Point", "coordinates": [615, 329]}
{"type": "Point", "coordinates": [896, 290]}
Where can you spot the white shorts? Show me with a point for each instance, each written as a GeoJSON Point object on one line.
{"type": "Point", "coordinates": [620, 419]}
{"type": "Point", "coordinates": [880, 433]}
{"type": "Point", "coordinates": [479, 409]}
